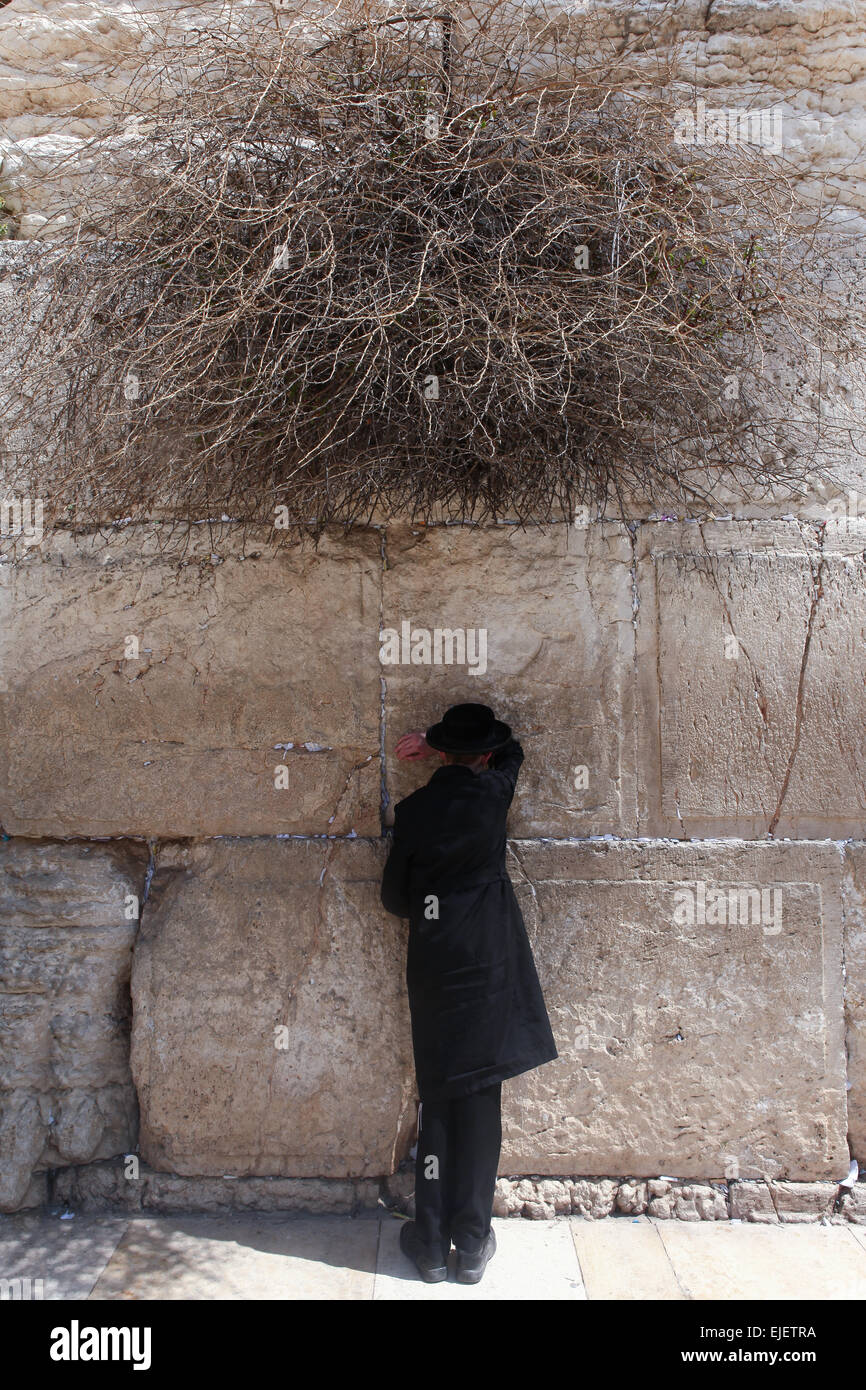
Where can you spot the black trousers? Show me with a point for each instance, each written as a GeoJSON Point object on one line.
{"type": "Point", "coordinates": [455, 1170]}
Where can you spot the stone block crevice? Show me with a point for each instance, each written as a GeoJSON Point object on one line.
{"type": "Point", "coordinates": [103, 1187]}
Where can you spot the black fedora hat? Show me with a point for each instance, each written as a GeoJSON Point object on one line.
{"type": "Point", "coordinates": [468, 729]}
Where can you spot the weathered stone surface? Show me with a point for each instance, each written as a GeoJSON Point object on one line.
{"type": "Point", "coordinates": [703, 1052]}
{"type": "Point", "coordinates": [36, 1196]}
{"type": "Point", "coordinates": [752, 680]}
{"type": "Point", "coordinates": [69, 919]}
{"type": "Point", "coordinates": [556, 606]}
{"type": "Point", "coordinates": [710, 1055]}
{"type": "Point", "coordinates": [686, 1050]}
{"type": "Point", "coordinates": [853, 1204]}
{"type": "Point", "coordinates": [751, 1201]}
{"type": "Point", "coordinates": [240, 940]}
{"type": "Point", "coordinates": [803, 1201]}
{"type": "Point", "coordinates": [505, 1199]}
{"type": "Point", "coordinates": [537, 1211]}
{"type": "Point", "coordinates": [102, 1186]}
{"type": "Point", "coordinates": [659, 1187]}
{"type": "Point", "coordinates": [236, 657]}
{"type": "Point", "coordinates": [557, 1195]}
{"type": "Point", "coordinates": [689, 1202]}
{"type": "Point", "coordinates": [855, 995]}
{"type": "Point", "coordinates": [631, 1198]}
{"type": "Point", "coordinates": [399, 1189]}
{"type": "Point", "coordinates": [805, 58]}
{"type": "Point", "coordinates": [593, 1200]}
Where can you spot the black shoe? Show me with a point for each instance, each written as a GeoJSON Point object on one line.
{"type": "Point", "coordinates": [470, 1268]}
{"type": "Point", "coordinates": [432, 1268]}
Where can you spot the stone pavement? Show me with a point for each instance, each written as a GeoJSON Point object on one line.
{"type": "Point", "coordinates": [255, 1256]}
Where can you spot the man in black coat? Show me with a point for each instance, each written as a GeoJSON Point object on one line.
{"type": "Point", "coordinates": [478, 1014]}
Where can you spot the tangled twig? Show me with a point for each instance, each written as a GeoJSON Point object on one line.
{"type": "Point", "coordinates": [425, 262]}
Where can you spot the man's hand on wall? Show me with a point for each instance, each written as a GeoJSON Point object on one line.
{"type": "Point", "coordinates": [413, 745]}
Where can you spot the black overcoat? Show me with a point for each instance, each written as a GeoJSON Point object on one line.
{"type": "Point", "coordinates": [478, 1014]}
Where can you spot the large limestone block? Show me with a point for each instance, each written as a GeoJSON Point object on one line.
{"type": "Point", "coordinates": [555, 610]}
{"type": "Point", "coordinates": [246, 663]}
{"type": "Point", "coordinates": [270, 1032]}
{"type": "Point", "coordinates": [69, 916]}
{"type": "Point", "coordinates": [855, 996]}
{"type": "Point", "coordinates": [752, 679]}
{"type": "Point", "coordinates": [697, 1049]}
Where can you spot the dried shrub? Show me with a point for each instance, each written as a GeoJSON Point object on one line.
{"type": "Point", "coordinates": [444, 262]}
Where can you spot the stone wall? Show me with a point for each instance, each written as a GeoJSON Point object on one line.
{"type": "Point", "coordinates": [700, 976]}
{"type": "Point", "coordinates": [62, 61]}
{"type": "Point", "coordinates": [197, 773]}
{"type": "Point", "coordinates": [68, 921]}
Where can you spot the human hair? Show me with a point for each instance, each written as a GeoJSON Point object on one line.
{"type": "Point", "coordinates": [465, 759]}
